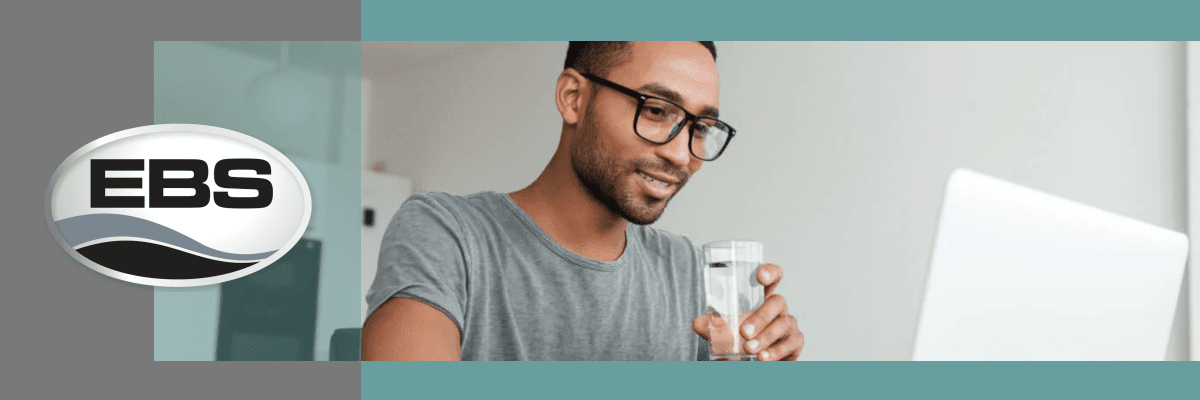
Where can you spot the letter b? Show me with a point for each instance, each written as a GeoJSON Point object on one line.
{"type": "Point", "coordinates": [157, 183]}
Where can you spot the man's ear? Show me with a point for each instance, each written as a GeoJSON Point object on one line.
{"type": "Point", "coordinates": [568, 96]}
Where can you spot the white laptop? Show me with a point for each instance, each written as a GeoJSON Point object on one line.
{"type": "Point", "coordinates": [1018, 274]}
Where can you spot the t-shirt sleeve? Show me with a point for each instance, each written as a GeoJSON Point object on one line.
{"type": "Point", "coordinates": [423, 257]}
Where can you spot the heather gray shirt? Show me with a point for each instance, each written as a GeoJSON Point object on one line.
{"type": "Point", "coordinates": [515, 294]}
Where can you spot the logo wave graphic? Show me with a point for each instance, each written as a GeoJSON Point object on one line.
{"type": "Point", "coordinates": [144, 258]}
{"type": "Point", "coordinates": [150, 259]}
{"type": "Point", "coordinates": [86, 228]}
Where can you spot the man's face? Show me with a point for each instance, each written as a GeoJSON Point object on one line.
{"type": "Point", "coordinates": [631, 176]}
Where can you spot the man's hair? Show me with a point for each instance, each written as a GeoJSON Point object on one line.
{"type": "Point", "coordinates": [597, 58]}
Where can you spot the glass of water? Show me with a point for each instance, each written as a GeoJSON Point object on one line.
{"type": "Point", "coordinates": [733, 293]}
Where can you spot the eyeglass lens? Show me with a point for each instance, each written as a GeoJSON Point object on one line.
{"type": "Point", "coordinates": [658, 120]}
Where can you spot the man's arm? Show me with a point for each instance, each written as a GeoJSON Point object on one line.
{"type": "Point", "coordinates": [421, 257]}
{"type": "Point", "coordinates": [404, 329]}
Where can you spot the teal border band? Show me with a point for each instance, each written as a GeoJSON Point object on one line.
{"type": "Point", "coordinates": [782, 20]}
{"type": "Point", "coordinates": [798, 380]}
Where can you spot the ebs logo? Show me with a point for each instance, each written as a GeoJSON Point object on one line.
{"type": "Point", "coordinates": [177, 205]}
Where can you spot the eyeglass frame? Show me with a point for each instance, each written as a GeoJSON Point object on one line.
{"type": "Point", "coordinates": [689, 119]}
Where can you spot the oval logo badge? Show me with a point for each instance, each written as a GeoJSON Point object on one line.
{"type": "Point", "coordinates": [177, 205]}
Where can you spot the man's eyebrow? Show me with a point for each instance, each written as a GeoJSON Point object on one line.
{"type": "Point", "coordinates": [661, 91]}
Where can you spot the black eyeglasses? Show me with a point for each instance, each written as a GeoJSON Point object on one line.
{"type": "Point", "coordinates": [659, 120]}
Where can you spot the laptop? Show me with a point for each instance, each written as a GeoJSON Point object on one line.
{"type": "Point", "coordinates": [1018, 274]}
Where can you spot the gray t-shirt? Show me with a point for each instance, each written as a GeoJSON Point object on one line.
{"type": "Point", "coordinates": [516, 294]}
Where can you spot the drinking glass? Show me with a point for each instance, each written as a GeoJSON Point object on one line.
{"type": "Point", "coordinates": [733, 293]}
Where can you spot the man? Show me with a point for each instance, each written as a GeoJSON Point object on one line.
{"type": "Point", "coordinates": [556, 271]}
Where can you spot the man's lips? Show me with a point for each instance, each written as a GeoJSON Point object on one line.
{"type": "Point", "coordinates": [669, 179]}
{"type": "Point", "coordinates": [661, 184]}
{"type": "Point", "coordinates": [655, 188]}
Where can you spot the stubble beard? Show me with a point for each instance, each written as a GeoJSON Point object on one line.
{"type": "Point", "coordinates": [606, 177]}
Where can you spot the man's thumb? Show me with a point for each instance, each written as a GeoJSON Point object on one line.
{"type": "Point", "coordinates": [700, 325]}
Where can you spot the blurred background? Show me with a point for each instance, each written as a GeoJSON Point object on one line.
{"type": "Point", "coordinates": [841, 157]}
{"type": "Point", "coordinates": [303, 99]}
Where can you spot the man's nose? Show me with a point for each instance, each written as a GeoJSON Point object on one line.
{"type": "Point", "coordinates": [676, 151]}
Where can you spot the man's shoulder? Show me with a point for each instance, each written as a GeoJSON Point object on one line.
{"type": "Point", "coordinates": [436, 201]}
{"type": "Point", "coordinates": [454, 212]}
{"type": "Point", "coordinates": [658, 241]}
{"type": "Point", "coordinates": [450, 199]}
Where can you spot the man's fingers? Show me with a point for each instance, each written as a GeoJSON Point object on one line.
{"type": "Point", "coordinates": [768, 335]}
{"type": "Point", "coordinates": [769, 332]}
{"type": "Point", "coordinates": [772, 308]}
{"type": "Point", "coordinates": [773, 342]}
{"type": "Point", "coordinates": [769, 276]}
{"type": "Point", "coordinates": [719, 337]}
{"type": "Point", "coordinates": [787, 348]}
{"type": "Point", "coordinates": [700, 325]}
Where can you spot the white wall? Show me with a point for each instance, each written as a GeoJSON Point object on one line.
{"type": "Point", "coordinates": [483, 120]}
{"type": "Point", "coordinates": [841, 155]}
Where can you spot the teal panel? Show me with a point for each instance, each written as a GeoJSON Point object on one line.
{"type": "Point", "coordinates": [303, 98]}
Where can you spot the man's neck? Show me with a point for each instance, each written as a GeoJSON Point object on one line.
{"type": "Point", "coordinates": [568, 213]}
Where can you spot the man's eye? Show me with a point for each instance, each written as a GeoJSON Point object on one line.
{"type": "Point", "coordinates": [655, 112]}
{"type": "Point", "coordinates": [703, 127]}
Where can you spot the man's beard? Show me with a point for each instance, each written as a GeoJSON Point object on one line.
{"type": "Point", "coordinates": [603, 176]}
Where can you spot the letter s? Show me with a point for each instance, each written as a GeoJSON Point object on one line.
{"type": "Point", "coordinates": [263, 186]}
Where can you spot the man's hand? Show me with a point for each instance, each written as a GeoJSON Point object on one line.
{"type": "Point", "coordinates": [770, 332]}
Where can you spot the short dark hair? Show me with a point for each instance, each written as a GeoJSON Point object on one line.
{"type": "Point", "coordinates": [597, 58]}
